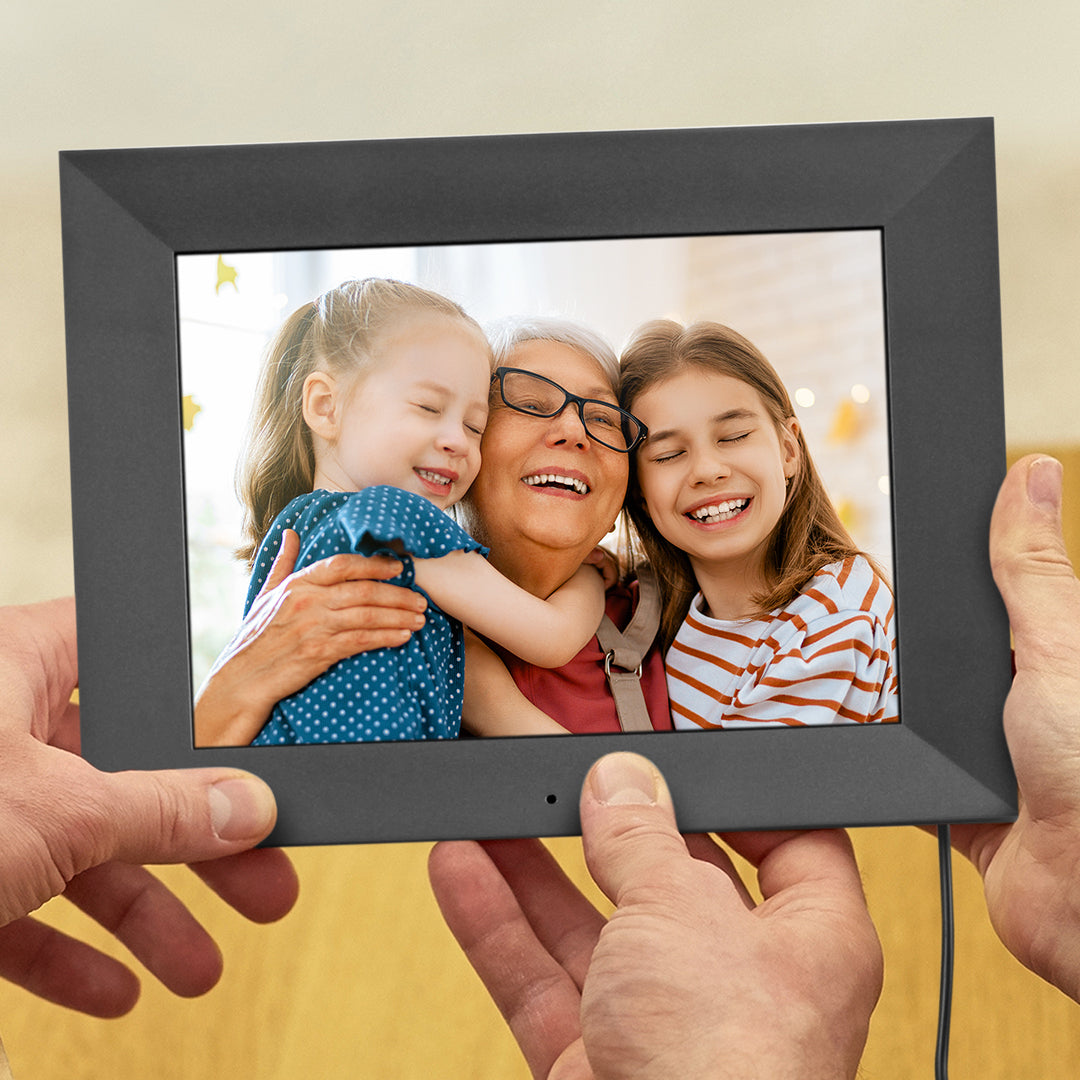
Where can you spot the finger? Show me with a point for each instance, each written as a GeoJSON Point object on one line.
{"type": "Point", "coordinates": [351, 567]}
{"type": "Point", "coordinates": [606, 563]}
{"type": "Point", "coordinates": [628, 825]}
{"type": "Point", "coordinates": [135, 817]}
{"type": "Point", "coordinates": [1031, 567]}
{"type": "Point", "coordinates": [260, 884]}
{"type": "Point", "coordinates": [38, 662]}
{"type": "Point", "coordinates": [537, 998]}
{"type": "Point", "coordinates": [1042, 595]}
{"type": "Point", "coordinates": [319, 652]}
{"type": "Point", "coordinates": [144, 915]}
{"type": "Point", "coordinates": [66, 733]}
{"type": "Point", "coordinates": [363, 593]}
{"type": "Point", "coordinates": [319, 606]}
{"type": "Point", "coordinates": [152, 817]}
{"type": "Point", "coordinates": [284, 562]}
{"type": "Point", "coordinates": [367, 605]}
{"type": "Point", "coordinates": [350, 643]}
{"type": "Point", "coordinates": [759, 847]}
{"type": "Point", "coordinates": [190, 815]}
{"type": "Point", "coordinates": [812, 877]}
{"type": "Point", "coordinates": [572, 1064]}
{"type": "Point", "coordinates": [60, 969]}
{"type": "Point", "coordinates": [564, 921]}
{"type": "Point", "coordinates": [755, 846]}
{"type": "Point", "coordinates": [821, 864]}
{"type": "Point", "coordinates": [353, 608]}
{"type": "Point", "coordinates": [705, 849]}
{"type": "Point", "coordinates": [978, 843]}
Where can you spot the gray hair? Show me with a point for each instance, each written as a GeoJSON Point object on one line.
{"type": "Point", "coordinates": [506, 334]}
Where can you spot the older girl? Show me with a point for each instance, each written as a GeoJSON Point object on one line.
{"type": "Point", "coordinates": [771, 614]}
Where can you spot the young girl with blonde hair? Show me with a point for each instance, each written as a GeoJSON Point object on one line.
{"type": "Point", "coordinates": [771, 614]}
{"type": "Point", "coordinates": [366, 430]}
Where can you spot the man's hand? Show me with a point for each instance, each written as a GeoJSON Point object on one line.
{"type": "Point", "coordinates": [67, 828]}
{"type": "Point", "coordinates": [1031, 868]}
{"type": "Point", "coordinates": [688, 978]}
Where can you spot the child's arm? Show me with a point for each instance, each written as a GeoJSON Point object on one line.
{"type": "Point", "coordinates": [493, 703]}
{"type": "Point", "coordinates": [548, 633]}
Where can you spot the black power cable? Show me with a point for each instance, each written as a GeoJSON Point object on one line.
{"type": "Point", "coordinates": [941, 1056]}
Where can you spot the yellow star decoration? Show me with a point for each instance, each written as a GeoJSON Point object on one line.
{"type": "Point", "coordinates": [226, 275]}
{"type": "Point", "coordinates": [191, 410]}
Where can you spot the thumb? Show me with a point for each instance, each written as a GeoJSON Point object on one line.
{"type": "Point", "coordinates": [628, 824]}
{"type": "Point", "coordinates": [284, 562]}
{"type": "Point", "coordinates": [185, 815]}
{"type": "Point", "coordinates": [1042, 595]}
{"type": "Point", "coordinates": [1032, 569]}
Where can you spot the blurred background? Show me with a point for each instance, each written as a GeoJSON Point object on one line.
{"type": "Point", "coordinates": [362, 980]}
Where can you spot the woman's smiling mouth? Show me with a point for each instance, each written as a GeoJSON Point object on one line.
{"type": "Point", "coordinates": [557, 481]}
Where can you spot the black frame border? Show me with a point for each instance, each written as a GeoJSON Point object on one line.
{"type": "Point", "coordinates": [929, 186]}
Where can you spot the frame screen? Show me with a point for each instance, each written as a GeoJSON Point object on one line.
{"type": "Point", "coordinates": [861, 259]}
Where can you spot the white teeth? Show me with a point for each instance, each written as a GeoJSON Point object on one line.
{"type": "Point", "coordinates": [540, 479]}
{"type": "Point", "coordinates": [719, 511]}
{"type": "Point", "coordinates": [435, 478]}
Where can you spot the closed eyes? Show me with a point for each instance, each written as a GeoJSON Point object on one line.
{"type": "Point", "coordinates": [677, 453]}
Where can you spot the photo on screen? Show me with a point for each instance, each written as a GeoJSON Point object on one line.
{"type": "Point", "coordinates": [812, 303]}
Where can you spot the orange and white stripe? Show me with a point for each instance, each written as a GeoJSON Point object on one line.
{"type": "Point", "coordinates": [827, 658]}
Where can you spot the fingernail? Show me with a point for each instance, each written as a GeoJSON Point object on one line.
{"type": "Point", "coordinates": [1044, 484]}
{"type": "Point", "coordinates": [624, 780]}
{"type": "Point", "coordinates": [241, 809]}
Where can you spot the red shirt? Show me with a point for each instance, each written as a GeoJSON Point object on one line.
{"type": "Point", "coordinates": [577, 695]}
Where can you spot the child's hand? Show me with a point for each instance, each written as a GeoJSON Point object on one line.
{"type": "Point", "coordinates": [607, 564]}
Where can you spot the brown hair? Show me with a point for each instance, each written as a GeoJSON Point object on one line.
{"type": "Point", "coordinates": [337, 333]}
{"type": "Point", "coordinates": [809, 534]}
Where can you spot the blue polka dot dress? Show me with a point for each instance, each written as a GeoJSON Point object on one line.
{"type": "Point", "coordinates": [412, 691]}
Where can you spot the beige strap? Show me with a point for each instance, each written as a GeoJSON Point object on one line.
{"type": "Point", "coordinates": [626, 649]}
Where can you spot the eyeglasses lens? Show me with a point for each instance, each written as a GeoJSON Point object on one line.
{"type": "Point", "coordinates": [606, 424]}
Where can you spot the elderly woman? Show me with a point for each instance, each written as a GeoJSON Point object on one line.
{"type": "Point", "coordinates": [551, 484]}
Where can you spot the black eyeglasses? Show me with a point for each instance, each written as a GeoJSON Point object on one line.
{"type": "Point", "coordinates": [604, 423]}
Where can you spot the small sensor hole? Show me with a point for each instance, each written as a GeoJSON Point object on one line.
{"type": "Point", "coordinates": [553, 799]}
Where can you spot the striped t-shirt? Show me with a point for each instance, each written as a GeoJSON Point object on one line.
{"type": "Point", "coordinates": [827, 658]}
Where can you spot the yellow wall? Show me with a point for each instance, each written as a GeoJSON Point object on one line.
{"type": "Point", "coordinates": [362, 980]}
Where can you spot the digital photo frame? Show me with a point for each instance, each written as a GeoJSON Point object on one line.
{"type": "Point", "coordinates": [917, 196]}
